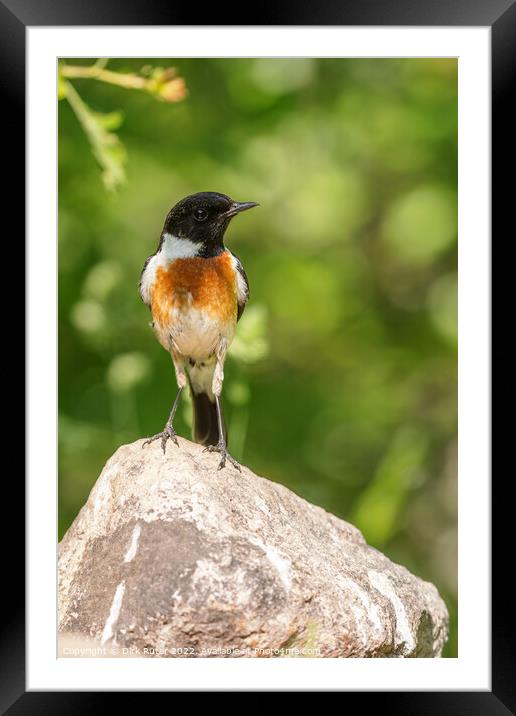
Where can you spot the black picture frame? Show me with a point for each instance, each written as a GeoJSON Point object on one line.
{"type": "Point", "coordinates": [500, 16]}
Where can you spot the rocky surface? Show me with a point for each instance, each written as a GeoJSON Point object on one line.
{"type": "Point", "coordinates": [171, 557]}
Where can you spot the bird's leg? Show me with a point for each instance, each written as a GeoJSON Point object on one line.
{"type": "Point", "coordinates": [220, 447]}
{"type": "Point", "coordinates": [168, 431]}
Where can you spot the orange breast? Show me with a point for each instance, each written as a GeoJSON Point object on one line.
{"type": "Point", "coordinates": [206, 284]}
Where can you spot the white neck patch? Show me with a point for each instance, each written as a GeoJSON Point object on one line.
{"type": "Point", "coordinates": [175, 248]}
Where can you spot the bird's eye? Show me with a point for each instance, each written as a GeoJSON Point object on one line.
{"type": "Point", "coordinates": [200, 214]}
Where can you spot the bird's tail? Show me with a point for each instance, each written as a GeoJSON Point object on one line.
{"type": "Point", "coordinates": [205, 427]}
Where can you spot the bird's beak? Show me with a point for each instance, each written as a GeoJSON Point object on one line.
{"type": "Point", "coordinates": [238, 206]}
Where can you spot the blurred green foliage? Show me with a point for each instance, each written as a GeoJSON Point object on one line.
{"type": "Point", "coordinates": [342, 381]}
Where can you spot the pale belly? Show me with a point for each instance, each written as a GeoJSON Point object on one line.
{"type": "Point", "coordinates": [193, 333]}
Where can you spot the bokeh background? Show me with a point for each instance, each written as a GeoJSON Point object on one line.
{"type": "Point", "coordinates": [342, 381]}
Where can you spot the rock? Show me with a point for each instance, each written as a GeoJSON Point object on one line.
{"type": "Point", "coordinates": [172, 557]}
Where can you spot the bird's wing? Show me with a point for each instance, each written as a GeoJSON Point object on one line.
{"type": "Point", "coordinates": [242, 285]}
{"type": "Point", "coordinates": [146, 278]}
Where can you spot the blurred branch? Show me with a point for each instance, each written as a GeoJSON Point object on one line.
{"type": "Point", "coordinates": [105, 145]}
{"type": "Point", "coordinates": [101, 62]}
{"type": "Point", "coordinates": [162, 83]}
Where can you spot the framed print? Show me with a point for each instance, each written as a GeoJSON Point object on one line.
{"type": "Point", "coordinates": [298, 209]}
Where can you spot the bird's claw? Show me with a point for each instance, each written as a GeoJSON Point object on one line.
{"type": "Point", "coordinates": [224, 455]}
{"type": "Point", "coordinates": [168, 434]}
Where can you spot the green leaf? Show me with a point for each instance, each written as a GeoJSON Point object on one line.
{"type": "Point", "coordinates": [106, 146]}
{"type": "Point", "coordinates": [109, 120]}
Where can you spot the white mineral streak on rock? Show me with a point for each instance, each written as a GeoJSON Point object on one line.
{"type": "Point", "coordinates": [367, 614]}
{"type": "Point", "coordinates": [404, 637]}
{"type": "Point", "coordinates": [280, 563]}
{"type": "Point", "coordinates": [133, 547]}
{"type": "Point", "coordinates": [114, 612]}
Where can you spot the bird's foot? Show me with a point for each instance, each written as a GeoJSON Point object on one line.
{"type": "Point", "coordinates": [168, 434]}
{"type": "Point", "coordinates": [224, 455]}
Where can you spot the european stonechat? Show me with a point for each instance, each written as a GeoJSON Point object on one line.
{"type": "Point", "coordinates": [197, 290]}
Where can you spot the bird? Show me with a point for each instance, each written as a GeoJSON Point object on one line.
{"type": "Point", "coordinates": [197, 290]}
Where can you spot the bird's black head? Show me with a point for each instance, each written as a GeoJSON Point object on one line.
{"type": "Point", "coordinates": [203, 218]}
